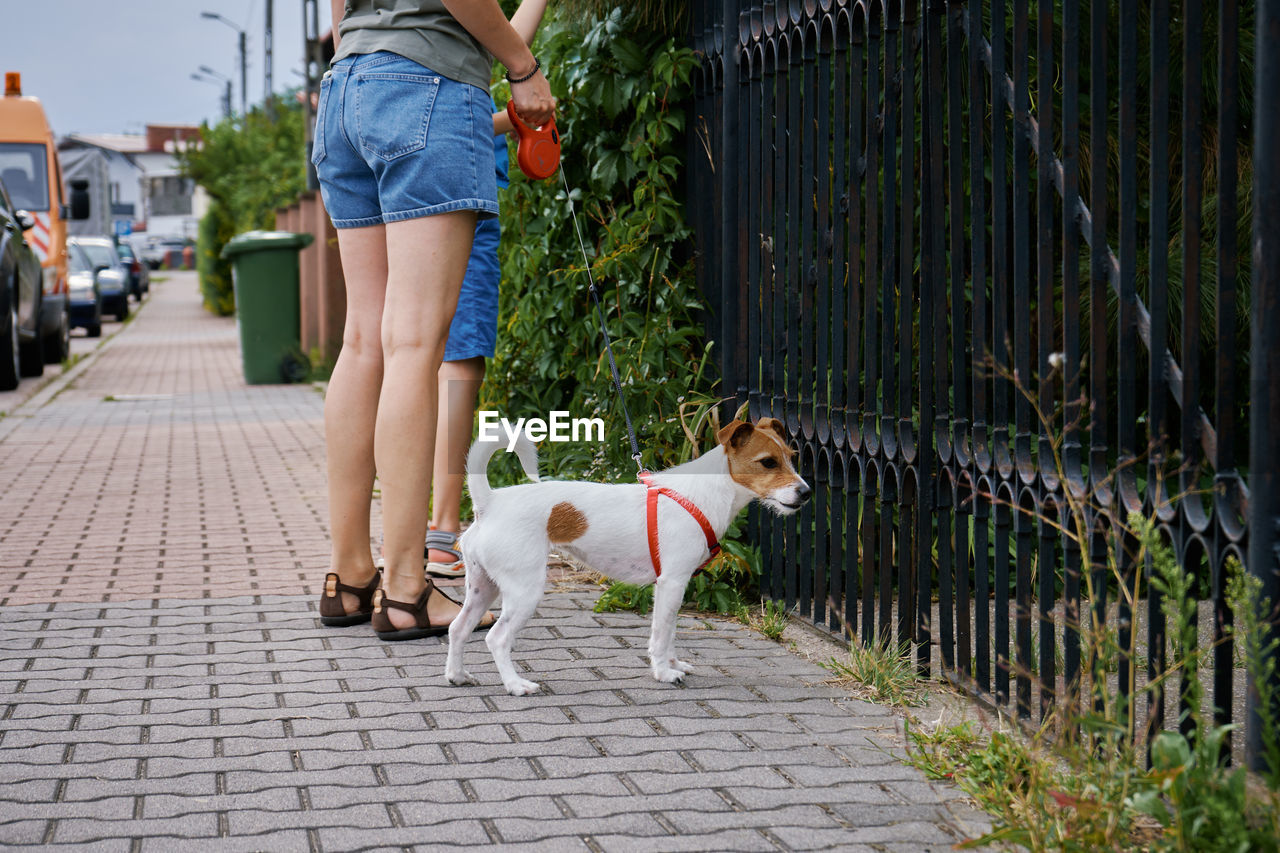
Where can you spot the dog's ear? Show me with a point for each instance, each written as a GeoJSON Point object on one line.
{"type": "Point", "coordinates": [773, 424]}
{"type": "Point", "coordinates": [735, 434]}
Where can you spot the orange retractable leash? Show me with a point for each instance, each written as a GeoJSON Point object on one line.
{"type": "Point", "coordinates": [538, 151]}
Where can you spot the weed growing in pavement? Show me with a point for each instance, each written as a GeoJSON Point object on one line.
{"type": "Point", "coordinates": [773, 618]}
{"type": "Point", "coordinates": [881, 672]}
{"type": "Point", "coordinates": [770, 619]}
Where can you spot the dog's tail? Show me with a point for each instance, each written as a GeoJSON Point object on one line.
{"type": "Point", "coordinates": [478, 464]}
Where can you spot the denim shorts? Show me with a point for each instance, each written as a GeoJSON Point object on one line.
{"type": "Point", "coordinates": [474, 330]}
{"type": "Point", "coordinates": [396, 141]}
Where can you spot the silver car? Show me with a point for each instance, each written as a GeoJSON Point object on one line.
{"type": "Point", "coordinates": [111, 274]}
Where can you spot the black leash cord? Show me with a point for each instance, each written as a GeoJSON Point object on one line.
{"type": "Point", "coordinates": [595, 297]}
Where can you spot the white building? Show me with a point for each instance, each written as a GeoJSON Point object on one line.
{"type": "Point", "coordinates": [135, 185]}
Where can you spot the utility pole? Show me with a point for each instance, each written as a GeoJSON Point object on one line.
{"type": "Point", "coordinates": [314, 59]}
{"type": "Point", "coordinates": [267, 83]}
{"type": "Point", "coordinates": [210, 76]}
{"type": "Point", "coordinates": [244, 76]}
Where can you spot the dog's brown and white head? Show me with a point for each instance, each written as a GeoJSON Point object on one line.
{"type": "Point", "coordinates": [761, 461]}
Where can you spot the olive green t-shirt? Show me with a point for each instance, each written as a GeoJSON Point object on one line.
{"type": "Point", "coordinates": [421, 30]}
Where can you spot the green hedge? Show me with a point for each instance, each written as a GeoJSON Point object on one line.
{"type": "Point", "coordinates": [216, 228]}
{"type": "Point", "coordinates": [249, 166]}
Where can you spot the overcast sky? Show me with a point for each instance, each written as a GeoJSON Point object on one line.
{"type": "Point", "coordinates": [113, 66]}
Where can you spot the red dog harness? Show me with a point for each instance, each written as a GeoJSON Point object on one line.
{"type": "Point", "coordinates": [651, 513]}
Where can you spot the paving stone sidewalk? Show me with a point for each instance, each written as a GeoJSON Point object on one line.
{"type": "Point", "coordinates": [164, 679]}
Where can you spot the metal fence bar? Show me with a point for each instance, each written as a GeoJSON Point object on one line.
{"type": "Point", "coordinates": [1192, 512]}
{"type": "Point", "coordinates": [1158, 296]}
{"type": "Point", "coordinates": [1264, 443]}
{"type": "Point", "coordinates": [1226, 476]}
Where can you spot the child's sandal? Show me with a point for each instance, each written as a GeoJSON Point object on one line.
{"type": "Point", "coordinates": [447, 541]}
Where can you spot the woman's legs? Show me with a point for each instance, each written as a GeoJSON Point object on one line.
{"type": "Point", "coordinates": [426, 261]}
{"type": "Point", "coordinates": [351, 406]}
{"type": "Point", "coordinates": [459, 387]}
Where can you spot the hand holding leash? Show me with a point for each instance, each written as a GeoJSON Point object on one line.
{"type": "Point", "coordinates": [532, 97]}
{"type": "Point", "coordinates": [538, 148]}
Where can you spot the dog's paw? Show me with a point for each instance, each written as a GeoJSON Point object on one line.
{"type": "Point", "coordinates": [521, 687]}
{"type": "Point", "coordinates": [686, 668]}
{"type": "Point", "coordinates": [668, 676]}
{"type": "Point", "coordinates": [461, 677]}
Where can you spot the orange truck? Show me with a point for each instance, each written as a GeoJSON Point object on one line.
{"type": "Point", "coordinates": [30, 172]}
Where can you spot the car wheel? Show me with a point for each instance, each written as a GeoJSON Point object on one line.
{"type": "Point", "coordinates": [9, 367]}
{"type": "Point", "coordinates": [94, 330]}
{"type": "Point", "coordinates": [30, 358]}
{"type": "Point", "coordinates": [122, 313]}
{"type": "Point", "coordinates": [57, 347]}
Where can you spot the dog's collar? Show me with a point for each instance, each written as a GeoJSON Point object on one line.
{"type": "Point", "coordinates": [651, 514]}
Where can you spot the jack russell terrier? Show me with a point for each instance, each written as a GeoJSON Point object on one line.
{"type": "Point", "coordinates": [661, 531]}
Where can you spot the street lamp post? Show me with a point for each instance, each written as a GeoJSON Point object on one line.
{"type": "Point", "coordinates": [268, 63]}
{"type": "Point", "coordinates": [314, 60]}
{"type": "Point", "coordinates": [219, 81]}
{"type": "Point", "coordinates": [218, 75]}
{"type": "Point", "coordinates": [244, 97]}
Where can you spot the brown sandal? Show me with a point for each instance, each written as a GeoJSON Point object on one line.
{"type": "Point", "coordinates": [385, 630]}
{"type": "Point", "coordinates": [422, 622]}
{"type": "Point", "coordinates": [333, 614]}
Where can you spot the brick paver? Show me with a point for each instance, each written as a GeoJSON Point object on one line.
{"type": "Point", "coordinates": [163, 675]}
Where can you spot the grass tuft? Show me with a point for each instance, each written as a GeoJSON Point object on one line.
{"type": "Point", "coordinates": [880, 673]}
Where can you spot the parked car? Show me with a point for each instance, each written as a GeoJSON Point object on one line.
{"type": "Point", "coordinates": [110, 273]}
{"type": "Point", "coordinates": [139, 274]}
{"type": "Point", "coordinates": [85, 299]}
{"type": "Point", "coordinates": [164, 251]}
{"type": "Point", "coordinates": [21, 291]}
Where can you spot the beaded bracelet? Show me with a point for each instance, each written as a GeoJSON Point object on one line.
{"type": "Point", "coordinates": [537, 66]}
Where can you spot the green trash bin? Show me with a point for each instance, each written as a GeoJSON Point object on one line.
{"type": "Point", "coordinates": [265, 278]}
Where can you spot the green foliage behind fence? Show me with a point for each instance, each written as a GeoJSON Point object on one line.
{"type": "Point", "coordinates": [621, 115]}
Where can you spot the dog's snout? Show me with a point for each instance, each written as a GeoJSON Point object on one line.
{"type": "Point", "coordinates": [803, 492]}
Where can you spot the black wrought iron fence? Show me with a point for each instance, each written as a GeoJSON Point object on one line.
{"type": "Point", "coordinates": [991, 263]}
